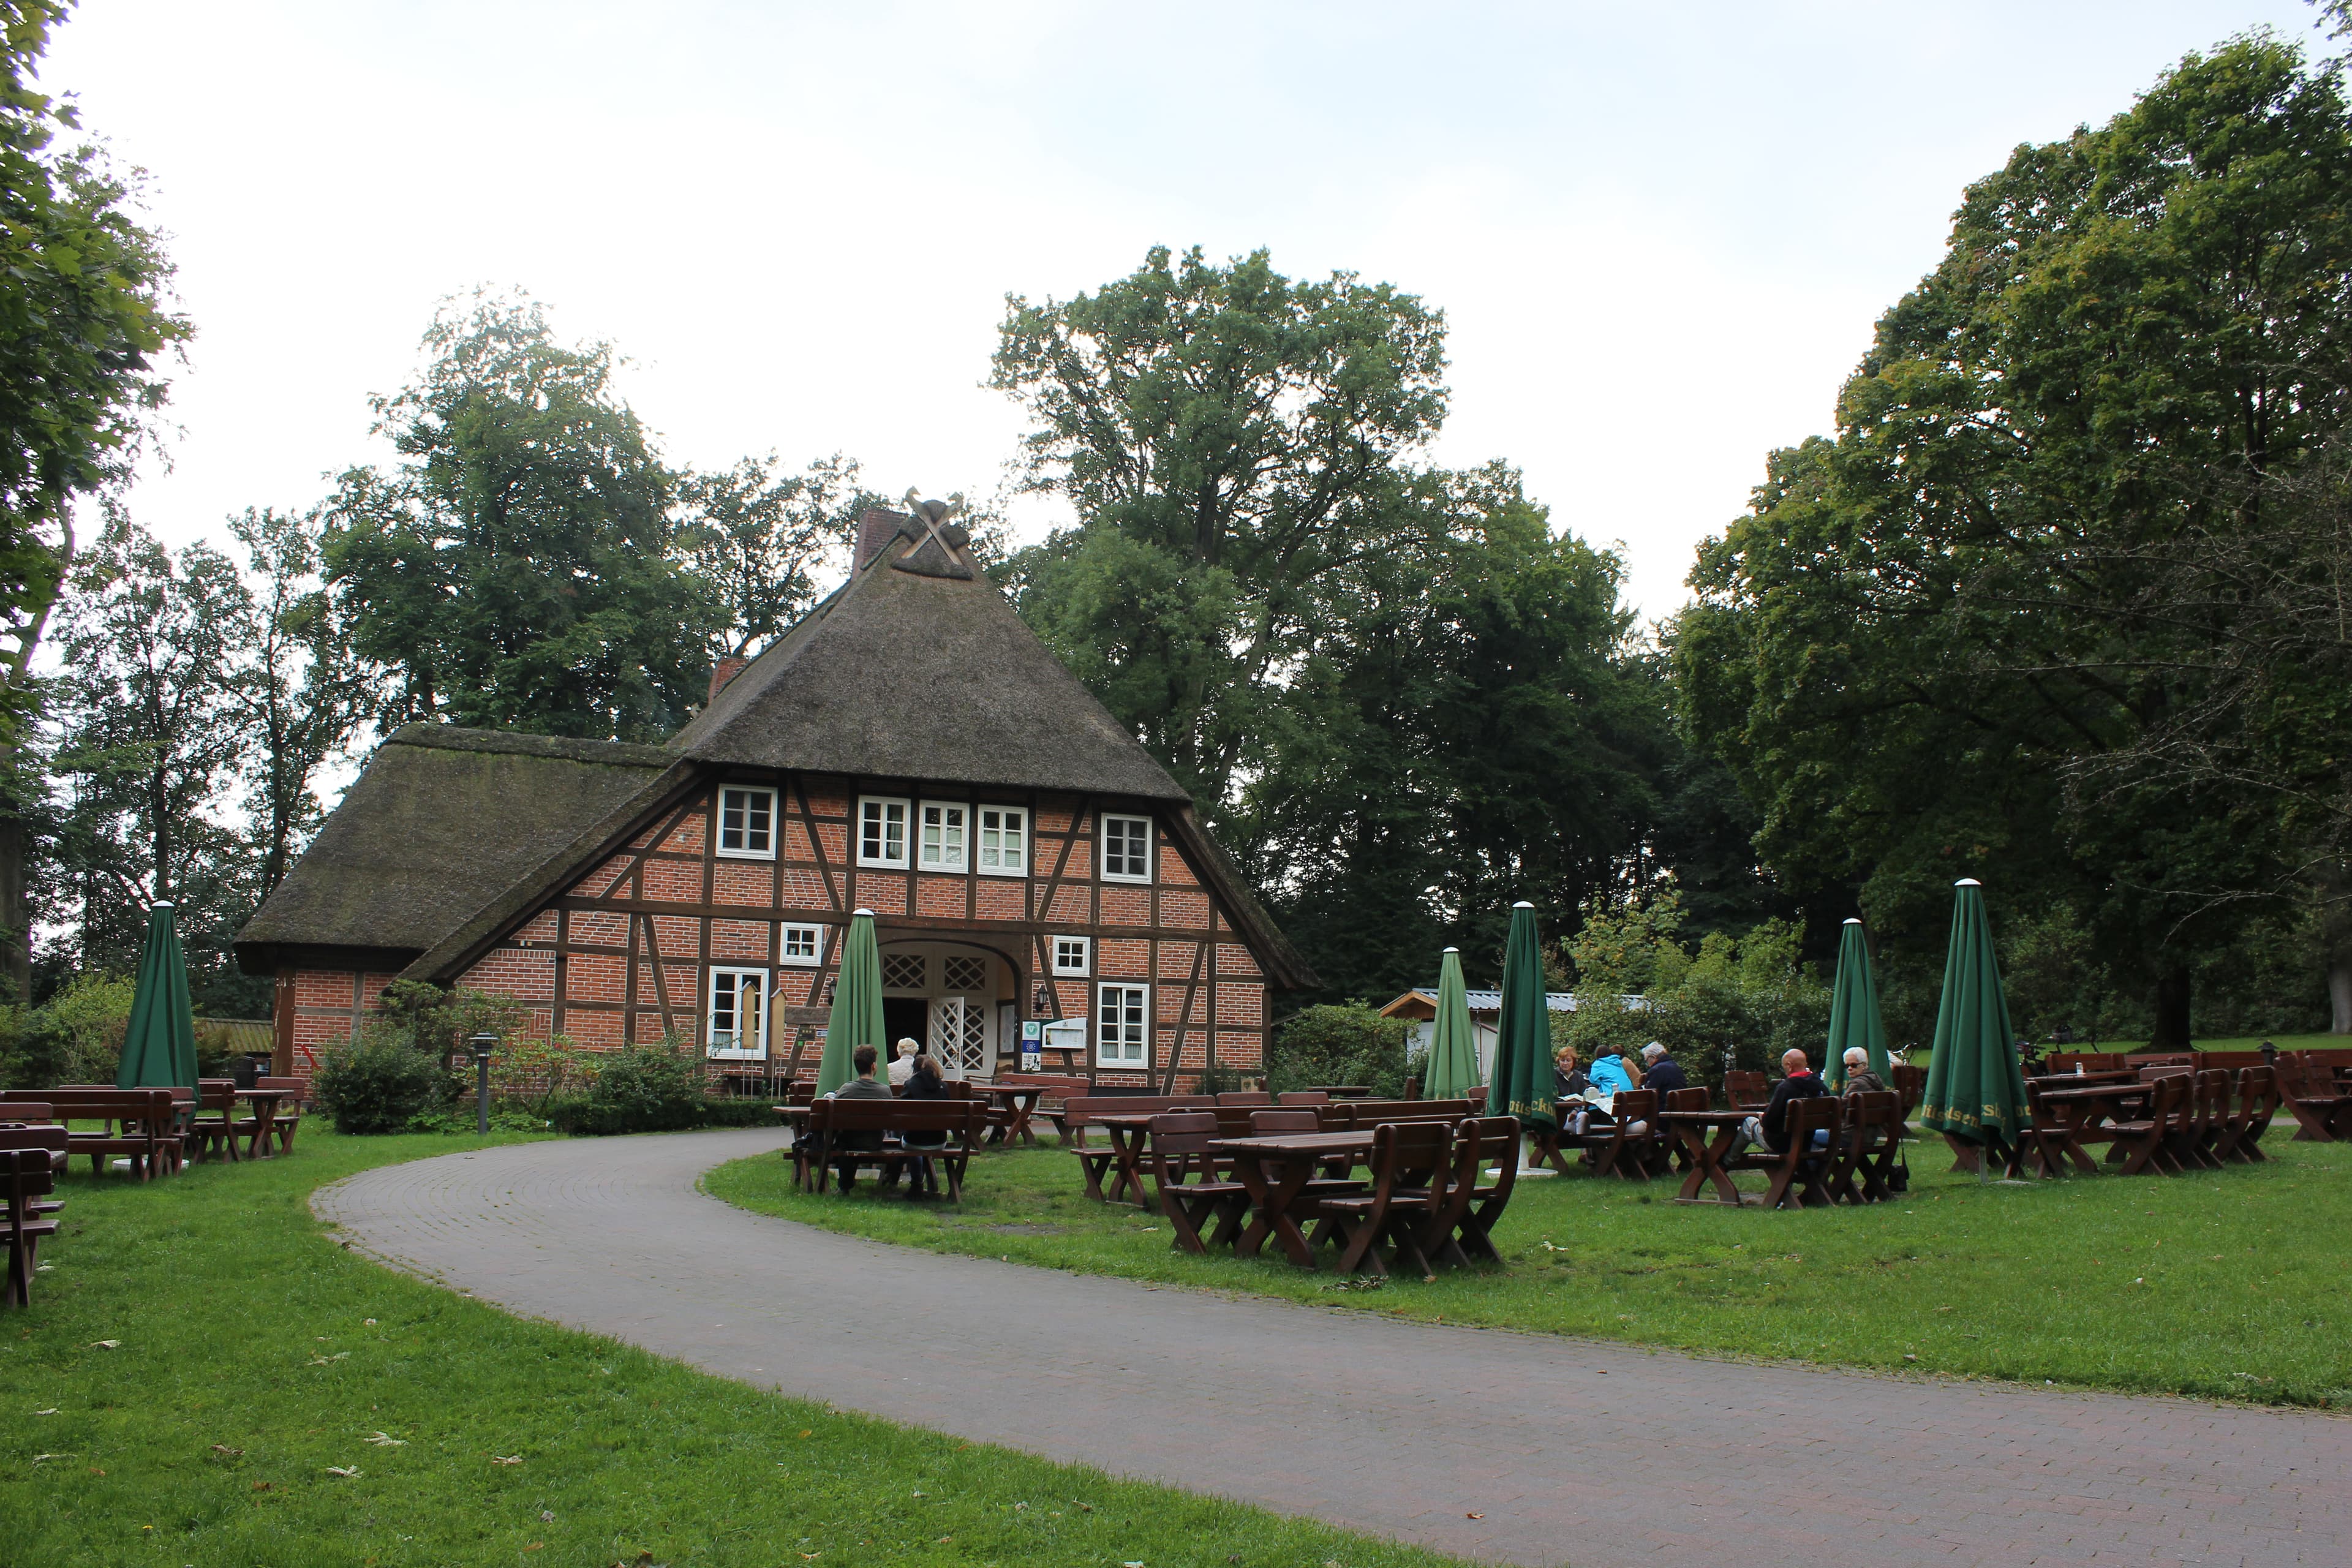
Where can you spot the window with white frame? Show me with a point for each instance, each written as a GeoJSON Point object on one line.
{"type": "Point", "coordinates": [1127, 848]}
{"type": "Point", "coordinates": [1123, 1026]}
{"type": "Point", "coordinates": [882, 832]}
{"type": "Point", "coordinates": [1004, 840]}
{"type": "Point", "coordinates": [1072, 954]}
{"type": "Point", "coordinates": [747, 823]}
{"type": "Point", "coordinates": [942, 838]}
{"type": "Point", "coordinates": [803, 945]}
{"type": "Point", "coordinates": [739, 1013]}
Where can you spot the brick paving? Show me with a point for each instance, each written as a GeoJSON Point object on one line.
{"type": "Point", "coordinates": [1574, 1451]}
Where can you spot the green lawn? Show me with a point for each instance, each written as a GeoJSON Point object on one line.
{"type": "Point", "coordinates": [2235, 1284]}
{"type": "Point", "coordinates": [254, 1359]}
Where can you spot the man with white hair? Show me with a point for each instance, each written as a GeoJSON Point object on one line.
{"type": "Point", "coordinates": [1662, 1072]}
{"type": "Point", "coordinates": [1859, 1078]}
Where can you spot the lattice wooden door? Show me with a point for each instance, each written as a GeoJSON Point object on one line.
{"type": "Point", "coordinates": [959, 1036]}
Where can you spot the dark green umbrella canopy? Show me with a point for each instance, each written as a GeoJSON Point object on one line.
{"type": "Point", "coordinates": [1453, 1070]}
{"type": "Point", "coordinates": [1522, 1082]}
{"type": "Point", "coordinates": [159, 1049]}
{"type": "Point", "coordinates": [1854, 1010]}
{"type": "Point", "coordinates": [1976, 1091]}
{"type": "Point", "coordinates": [856, 1018]}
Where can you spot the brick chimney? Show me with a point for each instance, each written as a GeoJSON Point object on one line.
{"type": "Point", "coordinates": [876, 529]}
{"type": "Point", "coordinates": [725, 671]}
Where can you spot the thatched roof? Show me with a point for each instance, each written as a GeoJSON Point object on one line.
{"type": "Point", "coordinates": [918, 668]}
{"type": "Point", "coordinates": [441, 823]}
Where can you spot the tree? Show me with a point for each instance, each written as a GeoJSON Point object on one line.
{"type": "Point", "coordinates": [760, 538]}
{"type": "Point", "coordinates": [150, 742]}
{"type": "Point", "coordinates": [299, 691]}
{"type": "Point", "coordinates": [521, 568]}
{"type": "Point", "coordinates": [1228, 437]}
{"type": "Point", "coordinates": [1985, 627]}
{"type": "Point", "coordinates": [84, 317]}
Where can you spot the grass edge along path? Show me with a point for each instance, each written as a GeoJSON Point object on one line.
{"type": "Point", "coordinates": [2229, 1285]}
{"type": "Point", "coordinates": [206, 1377]}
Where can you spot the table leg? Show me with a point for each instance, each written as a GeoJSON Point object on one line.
{"type": "Point", "coordinates": [264, 1115]}
{"type": "Point", "coordinates": [1127, 1149]}
{"type": "Point", "coordinates": [1021, 1106]}
{"type": "Point", "coordinates": [1277, 1216]}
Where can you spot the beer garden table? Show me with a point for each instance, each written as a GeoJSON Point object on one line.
{"type": "Point", "coordinates": [1016, 1103]}
{"type": "Point", "coordinates": [2086, 1106]}
{"type": "Point", "coordinates": [1129, 1132]}
{"type": "Point", "coordinates": [1707, 1155]}
{"type": "Point", "coordinates": [1275, 1168]}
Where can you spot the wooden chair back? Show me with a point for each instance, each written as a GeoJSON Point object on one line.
{"type": "Point", "coordinates": [1246, 1097]}
{"type": "Point", "coordinates": [1910, 1086]}
{"type": "Point", "coordinates": [1747, 1090]}
{"type": "Point", "coordinates": [1302, 1097]}
{"type": "Point", "coordinates": [2149, 1072]}
{"type": "Point", "coordinates": [1687, 1099]}
{"type": "Point", "coordinates": [1372, 1112]}
{"type": "Point", "coordinates": [1459, 1225]}
{"type": "Point", "coordinates": [2137, 1060]}
{"type": "Point", "coordinates": [1183, 1135]}
{"type": "Point", "coordinates": [24, 1113]}
{"type": "Point", "coordinates": [1342, 1091]}
{"type": "Point", "coordinates": [2258, 1101]}
{"type": "Point", "coordinates": [2230, 1061]}
{"type": "Point", "coordinates": [1266, 1120]}
{"type": "Point", "coordinates": [2089, 1061]}
{"type": "Point", "coordinates": [1232, 1120]}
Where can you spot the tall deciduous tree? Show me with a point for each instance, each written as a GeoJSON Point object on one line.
{"type": "Point", "coordinates": [84, 316]}
{"type": "Point", "coordinates": [2007, 621]}
{"type": "Point", "coordinates": [762, 539]}
{"type": "Point", "coordinates": [521, 568]}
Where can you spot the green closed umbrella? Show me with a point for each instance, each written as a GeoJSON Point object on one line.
{"type": "Point", "coordinates": [159, 1049]}
{"type": "Point", "coordinates": [856, 1018]}
{"type": "Point", "coordinates": [1854, 1010]}
{"type": "Point", "coordinates": [1976, 1093]}
{"type": "Point", "coordinates": [1453, 1069]}
{"type": "Point", "coordinates": [1522, 1083]}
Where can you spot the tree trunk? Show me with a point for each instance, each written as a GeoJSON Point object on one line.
{"type": "Point", "coordinates": [2336, 942]}
{"type": "Point", "coordinates": [16, 927]}
{"type": "Point", "coordinates": [2172, 995]}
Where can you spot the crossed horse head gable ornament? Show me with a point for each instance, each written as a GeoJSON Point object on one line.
{"type": "Point", "coordinates": [938, 538]}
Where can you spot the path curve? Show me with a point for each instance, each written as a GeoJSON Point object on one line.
{"type": "Point", "coordinates": [1593, 1452]}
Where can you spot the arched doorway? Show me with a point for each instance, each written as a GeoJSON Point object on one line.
{"type": "Point", "coordinates": [955, 998]}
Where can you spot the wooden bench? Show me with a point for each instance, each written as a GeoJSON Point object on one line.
{"type": "Point", "coordinates": [1745, 1090]}
{"type": "Point", "coordinates": [1864, 1147]}
{"type": "Point", "coordinates": [142, 1124]}
{"type": "Point", "coordinates": [1460, 1228]}
{"type": "Point", "coordinates": [2257, 1102]}
{"type": "Point", "coordinates": [2066, 1062]}
{"type": "Point", "coordinates": [288, 1118]}
{"type": "Point", "coordinates": [1097, 1159]}
{"type": "Point", "coordinates": [1411, 1164]}
{"type": "Point", "coordinates": [2144, 1141]}
{"type": "Point", "coordinates": [2322, 1110]}
{"type": "Point", "coordinates": [1614, 1149]}
{"type": "Point", "coordinates": [1180, 1150]}
{"type": "Point", "coordinates": [1058, 1090]}
{"type": "Point", "coordinates": [961, 1121]}
{"type": "Point", "coordinates": [30, 1158]}
{"type": "Point", "coordinates": [1372, 1112]}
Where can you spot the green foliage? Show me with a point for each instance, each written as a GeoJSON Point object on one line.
{"type": "Point", "coordinates": [379, 1082]}
{"type": "Point", "coordinates": [442, 1024]}
{"type": "Point", "coordinates": [521, 569]}
{"type": "Point", "coordinates": [639, 1089]}
{"type": "Point", "coordinates": [2062, 604]}
{"type": "Point", "coordinates": [1401, 698]}
{"type": "Point", "coordinates": [1341, 1043]}
{"type": "Point", "coordinates": [758, 537]}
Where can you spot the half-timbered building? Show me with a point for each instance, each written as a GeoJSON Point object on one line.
{"type": "Point", "coordinates": [909, 748]}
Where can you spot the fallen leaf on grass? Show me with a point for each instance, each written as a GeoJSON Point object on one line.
{"type": "Point", "coordinates": [106, 1344]}
{"type": "Point", "coordinates": [262, 1487]}
{"type": "Point", "coordinates": [52, 1411]}
{"type": "Point", "coordinates": [327, 1359]}
{"type": "Point", "coordinates": [803, 1432]}
{"type": "Point", "coordinates": [224, 1448]}
{"type": "Point", "coordinates": [382, 1441]}
{"type": "Point", "coordinates": [512, 1459]}
{"type": "Point", "coordinates": [367, 1322]}
{"type": "Point", "coordinates": [349, 1472]}
{"type": "Point", "coordinates": [546, 1516]}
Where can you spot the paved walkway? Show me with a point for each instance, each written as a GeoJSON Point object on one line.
{"type": "Point", "coordinates": [1572, 1450]}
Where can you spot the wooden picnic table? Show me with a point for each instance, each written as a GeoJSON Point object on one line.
{"type": "Point", "coordinates": [1707, 1155]}
{"type": "Point", "coordinates": [1015, 1102]}
{"type": "Point", "coordinates": [1276, 1167]}
{"type": "Point", "coordinates": [2087, 1105]}
{"type": "Point", "coordinates": [1129, 1132]}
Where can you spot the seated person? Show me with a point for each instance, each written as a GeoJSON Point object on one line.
{"type": "Point", "coordinates": [923, 1082]}
{"type": "Point", "coordinates": [1859, 1078]}
{"type": "Point", "coordinates": [904, 1064]}
{"type": "Point", "coordinates": [1611, 1075]}
{"type": "Point", "coordinates": [866, 1140]}
{"type": "Point", "coordinates": [1662, 1072]}
{"type": "Point", "coordinates": [1569, 1084]}
{"type": "Point", "coordinates": [1798, 1081]}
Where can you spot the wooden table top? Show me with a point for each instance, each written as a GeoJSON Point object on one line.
{"type": "Point", "coordinates": [2098, 1091]}
{"type": "Point", "coordinates": [1295, 1142]}
{"type": "Point", "coordinates": [1705, 1117]}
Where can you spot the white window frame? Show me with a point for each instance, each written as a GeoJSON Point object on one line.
{"type": "Point", "coordinates": [720, 838]}
{"type": "Point", "coordinates": [1086, 956]}
{"type": "Point", "coordinates": [955, 836]}
{"type": "Point", "coordinates": [1122, 1062]}
{"type": "Point", "coordinates": [1012, 840]}
{"type": "Point", "coordinates": [748, 981]}
{"type": "Point", "coordinates": [866, 803]}
{"type": "Point", "coordinates": [816, 955]}
{"type": "Point", "coordinates": [1102, 856]}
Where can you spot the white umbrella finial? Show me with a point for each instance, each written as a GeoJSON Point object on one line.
{"type": "Point", "coordinates": [1523, 904]}
{"type": "Point", "coordinates": [1968, 882]}
{"type": "Point", "coordinates": [1853, 919]}
{"type": "Point", "coordinates": [867, 913]}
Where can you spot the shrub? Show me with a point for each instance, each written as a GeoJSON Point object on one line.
{"type": "Point", "coordinates": [642, 1089]}
{"type": "Point", "coordinates": [1350, 1043]}
{"type": "Point", "coordinates": [379, 1083]}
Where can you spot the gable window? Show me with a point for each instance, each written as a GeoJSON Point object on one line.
{"type": "Point", "coordinates": [739, 1013]}
{"type": "Point", "coordinates": [1004, 840]}
{"type": "Point", "coordinates": [943, 836]}
{"type": "Point", "coordinates": [1123, 1026]}
{"type": "Point", "coordinates": [882, 832]}
{"type": "Point", "coordinates": [801, 945]}
{"type": "Point", "coordinates": [1127, 848]}
{"type": "Point", "coordinates": [1071, 954]}
{"type": "Point", "coordinates": [746, 819]}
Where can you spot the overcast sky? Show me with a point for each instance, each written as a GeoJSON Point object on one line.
{"type": "Point", "coordinates": [1660, 235]}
